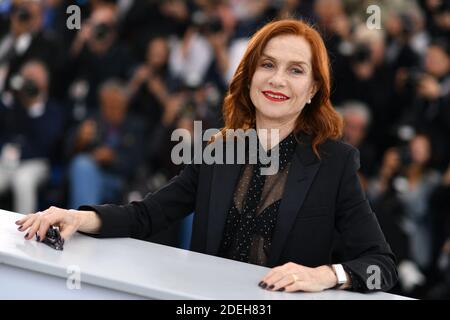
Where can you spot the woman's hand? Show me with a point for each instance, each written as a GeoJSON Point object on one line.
{"type": "Point", "coordinates": [292, 277]}
{"type": "Point", "coordinates": [68, 221]}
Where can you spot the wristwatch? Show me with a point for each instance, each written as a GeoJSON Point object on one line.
{"type": "Point", "coordinates": [340, 274]}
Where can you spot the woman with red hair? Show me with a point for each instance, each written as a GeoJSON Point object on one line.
{"type": "Point", "coordinates": [285, 220]}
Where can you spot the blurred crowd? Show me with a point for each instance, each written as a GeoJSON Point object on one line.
{"type": "Point", "coordinates": [86, 114]}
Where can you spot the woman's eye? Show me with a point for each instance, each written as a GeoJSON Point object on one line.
{"type": "Point", "coordinates": [267, 65]}
{"type": "Point", "coordinates": [297, 71]}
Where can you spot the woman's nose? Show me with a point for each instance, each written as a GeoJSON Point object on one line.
{"type": "Point", "coordinates": [277, 80]}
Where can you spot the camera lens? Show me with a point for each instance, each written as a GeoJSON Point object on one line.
{"type": "Point", "coordinates": [361, 54]}
{"type": "Point", "coordinates": [102, 30]}
{"type": "Point", "coordinates": [214, 25]}
{"type": "Point", "coordinates": [22, 14]}
{"type": "Point", "coordinates": [29, 88]}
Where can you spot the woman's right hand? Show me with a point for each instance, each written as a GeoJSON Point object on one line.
{"type": "Point", "coordinates": [68, 221]}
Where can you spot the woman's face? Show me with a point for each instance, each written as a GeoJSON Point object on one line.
{"type": "Point", "coordinates": [283, 79]}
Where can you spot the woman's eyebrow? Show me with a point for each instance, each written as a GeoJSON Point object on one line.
{"type": "Point", "coordinates": [290, 62]}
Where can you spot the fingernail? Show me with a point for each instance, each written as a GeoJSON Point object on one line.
{"type": "Point", "coordinates": [271, 287]}
{"type": "Point", "coordinates": [260, 283]}
{"type": "Point", "coordinates": [281, 289]}
{"type": "Point", "coordinates": [19, 228]}
{"type": "Point", "coordinates": [26, 235]}
{"type": "Point", "coordinates": [38, 238]}
{"type": "Point", "coordinates": [264, 285]}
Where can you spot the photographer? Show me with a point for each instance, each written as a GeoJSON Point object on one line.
{"type": "Point", "coordinates": [208, 37]}
{"type": "Point", "coordinates": [357, 121]}
{"type": "Point", "coordinates": [440, 207]}
{"type": "Point", "coordinates": [180, 110]}
{"type": "Point", "coordinates": [149, 85]}
{"type": "Point", "coordinates": [104, 149]}
{"type": "Point", "coordinates": [437, 13]}
{"type": "Point", "coordinates": [363, 77]}
{"type": "Point", "coordinates": [30, 128]}
{"type": "Point", "coordinates": [96, 55]}
{"type": "Point", "coordinates": [401, 194]}
{"type": "Point", "coordinates": [26, 40]}
{"type": "Point", "coordinates": [425, 95]}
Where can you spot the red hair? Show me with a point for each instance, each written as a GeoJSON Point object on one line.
{"type": "Point", "coordinates": [318, 119]}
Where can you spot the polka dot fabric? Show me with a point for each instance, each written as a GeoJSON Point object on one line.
{"type": "Point", "coordinates": [251, 219]}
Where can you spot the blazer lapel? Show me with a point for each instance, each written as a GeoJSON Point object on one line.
{"type": "Point", "coordinates": [223, 183]}
{"type": "Point", "coordinates": [304, 167]}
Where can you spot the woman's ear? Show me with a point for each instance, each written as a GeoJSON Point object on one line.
{"type": "Point", "coordinates": [315, 88]}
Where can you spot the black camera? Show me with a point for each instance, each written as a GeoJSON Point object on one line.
{"type": "Point", "coordinates": [29, 89]}
{"type": "Point", "coordinates": [101, 30]}
{"type": "Point", "coordinates": [361, 53]}
{"type": "Point", "coordinates": [206, 24]}
{"type": "Point", "coordinates": [214, 25]}
{"type": "Point", "coordinates": [22, 13]}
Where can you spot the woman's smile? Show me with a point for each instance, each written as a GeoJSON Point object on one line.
{"type": "Point", "coordinates": [275, 96]}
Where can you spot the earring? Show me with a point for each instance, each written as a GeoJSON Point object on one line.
{"type": "Point", "coordinates": [309, 101]}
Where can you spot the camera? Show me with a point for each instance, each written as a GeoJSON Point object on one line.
{"type": "Point", "coordinates": [361, 53]}
{"type": "Point", "coordinates": [29, 89]}
{"type": "Point", "coordinates": [22, 13]}
{"type": "Point", "coordinates": [101, 30]}
{"type": "Point", "coordinates": [205, 24]}
{"type": "Point", "coordinates": [214, 25]}
{"type": "Point", "coordinates": [25, 87]}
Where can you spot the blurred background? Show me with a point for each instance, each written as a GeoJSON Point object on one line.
{"type": "Point", "coordinates": [86, 114]}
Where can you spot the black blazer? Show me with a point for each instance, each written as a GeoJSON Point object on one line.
{"type": "Point", "coordinates": [321, 196]}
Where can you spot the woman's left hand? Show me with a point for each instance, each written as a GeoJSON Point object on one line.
{"type": "Point", "coordinates": [292, 277]}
